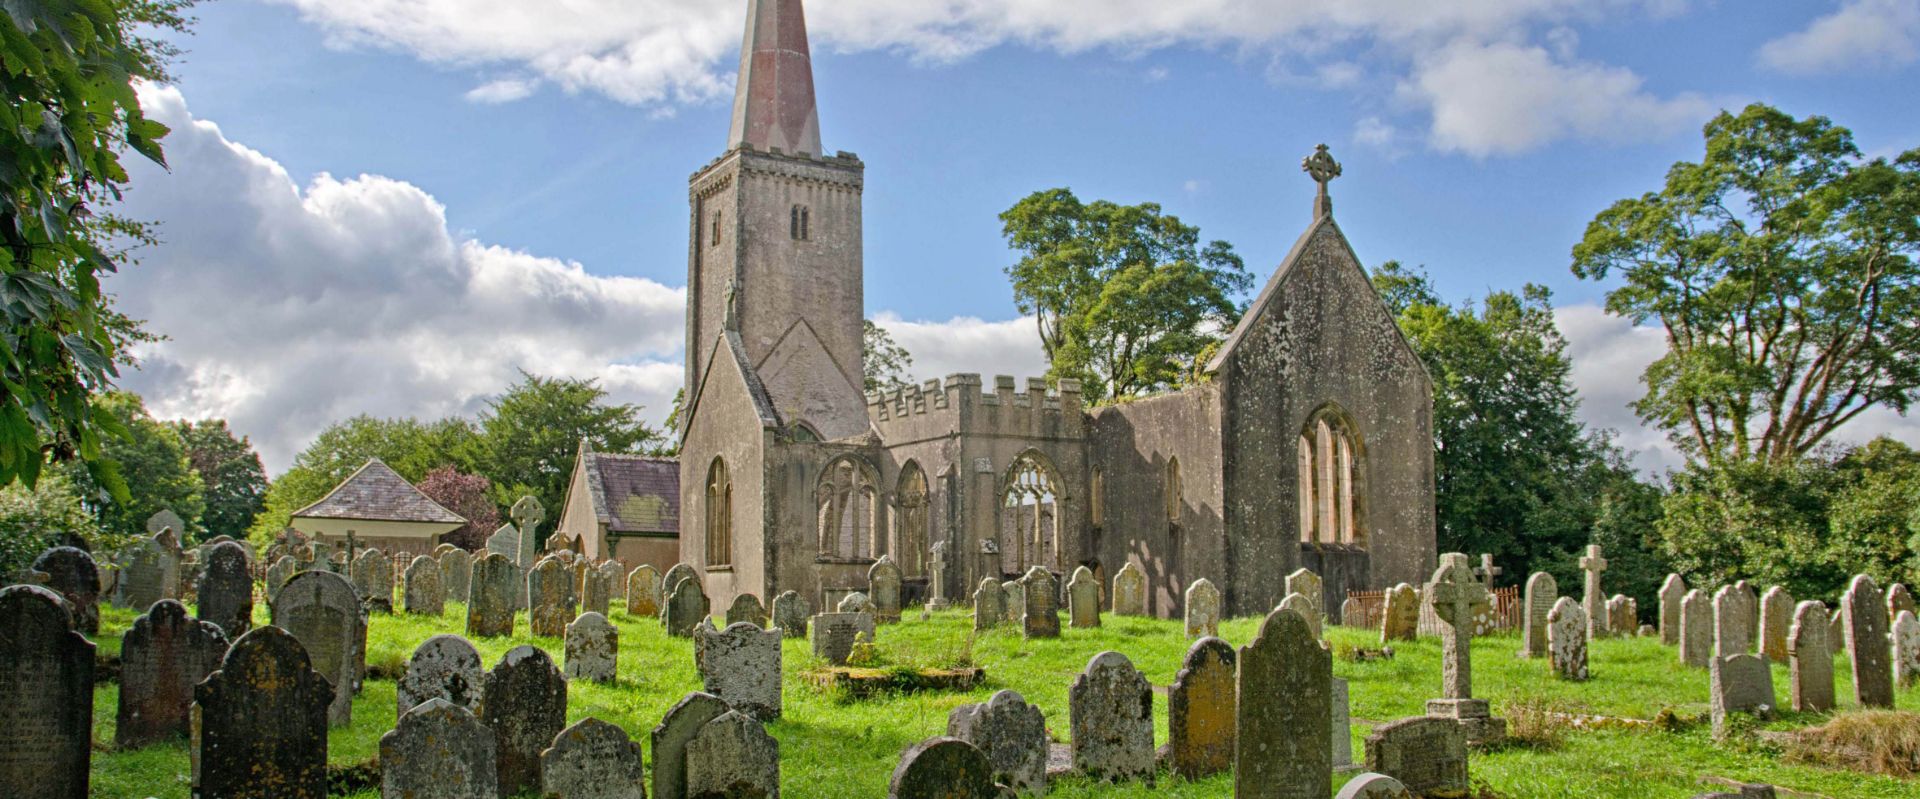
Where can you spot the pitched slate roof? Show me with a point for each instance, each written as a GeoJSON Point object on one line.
{"type": "Point", "coordinates": [378, 493]}
{"type": "Point", "coordinates": [635, 493]}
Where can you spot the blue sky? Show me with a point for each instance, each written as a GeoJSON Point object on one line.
{"type": "Point", "coordinates": [1478, 140]}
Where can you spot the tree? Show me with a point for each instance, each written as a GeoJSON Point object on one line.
{"type": "Point", "coordinates": [885, 361]}
{"type": "Point", "coordinates": [1782, 269]}
{"type": "Point", "coordinates": [234, 483]}
{"type": "Point", "coordinates": [469, 495]}
{"type": "Point", "coordinates": [530, 434]}
{"type": "Point", "coordinates": [1126, 299]}
{"type": "Point", "coordinates": [44, 515]}
{"type": "Point", "coordinates": [411, 447]}
{"type": "Point", "coordinates": [153, 459]}
{"type": "Point", "coordinates": [70, 70]}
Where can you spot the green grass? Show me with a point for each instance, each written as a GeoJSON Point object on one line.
{"type": "Point", "coordinates": [835, 748]}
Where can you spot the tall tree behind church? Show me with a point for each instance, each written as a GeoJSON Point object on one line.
{"type": "Point", "coordinates": [530, 434]}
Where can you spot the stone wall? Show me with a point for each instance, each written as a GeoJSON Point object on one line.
{"type": "Point", "coordinates": [1130, 447]}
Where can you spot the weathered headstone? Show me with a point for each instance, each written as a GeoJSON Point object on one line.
{"type": "Point", "coordinates": [1567, 639]}
{"type": "Point", "coordinates": [1130, 591]}
{"type": "Point", "coordinates": [855, 602]}
{"type": "Point", "coordinates": [677, 729]}
{"type": "Point", "coordinates": [1906, 649]}
{"type": "Point", "coordinates": [1455, 595]}
{"type": "Point", "coordinates": [260, 722]}
{"type": "Point", "coordinates": [1400, 619]}
{"type": "Point", "coordinates": [835, 633]}
{"type": "Point", "coordinates": [1734, 607]}
{"type": "Point", "coordinates": [733, 756]}
{"type": "Point", "coordinates": [1426, 754]}
{"type": "Point", "coordinates": [1593, 597]}
{"type": "Point", "coordinates": [989, 605]}
{"type": "Point", "coordinates": [643, 592]}
{"type": "Point", "coordinates": [1014, 601]}
{"type": "Point", "coordinates": [1542, 595]}
{"type": "Point", "coordinates": [1776, 615]}
{"type": "Point", "coordinates": [1308, 585]}
{"type": "Point", "coordinates": [596, 591]}
{"type": "Point", "coordinates": [1739, 683]}
{"type": "Point", "coordinates": [1284, 748]}
{"type": "Point", "coordinates": [420, 588]}
{"type": "Point", "coordinates": [1899, 599]}
{"type": "Point", "coordinates": [616, 576]}
{"type": "Point", "coordinates": [1672, 593]}
{"type": "Point", "coordinates": [46, 696]}
{"type": "Point", "coordinates": [490, 606]}
{"type": "Point", "coordinates": [1341, 730]}
{"type": "Point", "coordinates": [1298, 603]}
{"type": "Point", "coordinates": [883, 587]}
{"type": "Point", "coordinates": [226, 589]}
{"type": "Point", "coordinates": [1200, 710]}
{"type": "Point", "coordinates": [439, 750]}
{"type": "Point", "coordinates": [373, 579]}
{"type": "Point", "coordinates": [1810, 659]}
{"type": "Point", "coordinates": [1622, 616]}
{"type": "Point", "coordinates": [445, 667]}
{"type": "Point", "coordinates": [679, 571]}
{"type": "Point", "coordinates": [456, 573]}
{"type": "Point", "coordinates": [1864, 611]}
{"type": "Point", "coordinates": [549, 598]}
{"type": "Point", "coordinates": [1373, 786]}
{"type": "Point", "coordinates": [937, 577]}
{"type": "Point", "coordinates": [1013, 736]}
{"type": "Point", "coordinates": [593, 760]}
{"type": "Point", "coordinates": [162, 657]}
{"type": "Point", "coordinates": [73, 574]}
{"type": "Point", "coordinates": [1837, 631]}
{"type": "Point", "coordinates": [524, 701]}
{"type": "Point", "coordinates": [1696, 629]}
{"type": "Point", "coordinates": [790, 614]}
{"type": "Point", "coordinates": [1111, 709]}
{"type": "Point", "coordinates": [1353, 613]}
{"type": "Point", "coordinates": [686, 608]}
{"type": "Point", "coordinates": [1042, 616]}
{"type": "Point", "coordinates": [746, 608]}
{"type": "Point", "coordinates": [741, 665]}
{"type": "Point", "coordinates": [151, 573]}
{"type": "Point", "coordinates": [1203, 609]}
{"type": "Point", "coordinates": [943, 768]}
{"type": "Point", "coordinates": [1083, 599]}
{"type": "Point", "coordinates": [593, 649]}
{"type": "Point", "coordinates": [324, 614]}
{"type": "Point", "coordinates": [278, 574]}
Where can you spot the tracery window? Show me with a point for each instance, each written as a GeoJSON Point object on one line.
{"type": "Point", "coordinates": [911, 530]}
{"type": "Point", "coordinates": [847, 501]}
{"type": "Point", "coordinates": [719, 515]}
{"type": "Point", "coordinates": [1029, 518]}
{"type": "Point", "coordinates": [1332, 509]}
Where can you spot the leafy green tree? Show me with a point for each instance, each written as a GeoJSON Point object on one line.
{"type": "Point", "coordinates": [35, 518]}
{"type": "Point", "coordinates": [413, 448]}
{"type": "Point", "coordinates": [1782, 269]}
{"type": "Point", "coordinates": [70, 70]}
{"type": "Point", "coordinates": [886, 362]}
{"type": "Point", "coordinates": [1126, 299]}
{"type": "Point", "coordinates": [153, 459]}
{"type": "Point", "coordinates": [235, 484]}
{"type": "Point", "coordinates": [529, 436]}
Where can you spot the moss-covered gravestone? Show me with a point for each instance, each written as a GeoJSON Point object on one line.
{"type": "Point", "coordinates": [495, 586]}
{"type": "Point", "coordinates": [46, 697]}
{"type": "Point", "coordinates": [438, 751]}
{"type": "Point", "coordinates": [593, 760]}
{"type": "Point", "coordinates": [1200, 710]}
{"type": "Point", "coordinates": [1284, 745]}
{"type": "Point", "coordinates": [226, 589]}
{"type": "Point", "coordinates": [261, 722]}
{"type": "Point", "coordinates": [678, 728]}
{"type": "Point", "coordinates": [73, 574]}
{"type": "Point", "coordinates": [162, 657]}
{"type": "Point", "coordinates": [943, 768]}
{"type": "Point", "coordinates": [324, 614]}
{"type": "Point", "coordinates": [443, 667]}
{"type": "Point", "coordinates": [524, 701]}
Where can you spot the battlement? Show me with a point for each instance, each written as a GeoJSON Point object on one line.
{"type": "Point", "coordinates": [841, 158]}
{"type": "Point", "coordinates": [968, 391]}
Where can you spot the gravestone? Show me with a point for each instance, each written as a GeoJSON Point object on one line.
{"type": "Point", "coordinates": [741, 665]}
{"type": "Point", "coordinates": [1308, 585]}
{"type": "Point", "coordinates": [1373, 786]}
{"type": "Point", "coordinates": [438, 750]}
{"type": "Point", "coordinates": [1622, 616]}
{"type": "Point", "coordinates": [1353, 614]}
{"type": "Point", "coordinates": [680, 571]}
{"type": "Point", "coordinates": [1013, 736]}
{"type": "Point", "coordinates": [1776, 615]}
{"type": "Point", "coordinates": [937, 577]}
{"type": "Point", "coordinates": [1130, 591]}
{"type": "Point", "coordinates": [1203, 609]}
{"type": "Point", "coordinates": [420, 588]}
{"type": "Point", "coordinates": [1341, 732]}
{"type": "Point", "coordinates": [746, 608]}
{"type": "Point", "coordinates": [1734, 607]}
{"type": "Point", "coordinates": [1543, 594]}
{"type": "Point", "coordinates": [324, 614]}
{"type": "Point", "coordinates": [1593, 598]}
{"type": "Point", "coordinates": [524, 702]}
{"type": "Point", "coordinates": [686, 608]}
{"type": "Point", "coordinates": [1200, 710]}
{"type": "Point", "coordinates": [1696, 629]}
{"type": "Point", "coordinates": [1111, 710]}
{"type": "Point", "coordinates": [1298, 603]}
{"type": "Point", "coordinates": [1672, 593]}
{"type": "Point", "coordinates": [260, 722]}
{"type": "Point", "coordinates": [733, 756]}
{"type": "Point", "coordinates": [1837, 631]}
{"type": "Point", "coordinates": [1739, 683]}
{"type": "Point", "coordinates": [593, 760]}
{"type": "Point", "coordinates": [162, 657]}
{"type": "Point", "coordinates": [1864, 611]}
{"type": "Point", "coordinates": [279, 573]}
{"type": "Point", "coordinates": [943, 768]}
{"type": "Point", "coordinates": [491, 601]}
{"type": "Point", "coordinates": [549, 598]}
{"type": "Point", "coordinates": [616, 576]}
{"type": "Point", "coordinates": [46, 696]}
{"type": "Point", "coordinates": [1042, 615]}
{"type": "Point", "coordinates": [1906, 649]}
{"type": "Point", "coordinates": [1567, 639]}
{"type": "Point", "coordinates": [151, 573]}
{"type": "Point", "coordinates": [643, 592]}
{"type": "Point", "coordinates": [1899, 599]}
{"type": "Point", "coordinates": [1083, 599]}
{"type": "Point", "coordinates": [1426, 754]}
{"type": "Point", "coordinates": [527, 514]}
{"type": "Point", "coordinates": [790, 614]}
{"type": "Point", "coordinates": [444, 667]}
{"type": "Point", "coordinates": [373, 578]}
{"type": "Point", "coordinates": [834, 635]}
{"type": "Point", "coordinates": [73, 574]}
{"type": "Point", "coordinates": [1013, 597]}
{"type": "Point", "coordinates": [1285, 713]}
{"type": "Point", "coordinates": [596, 591]}
{"type": "Point", "coordinates": [1455, 595]}
{"type": "Point", "coordinates": [682, 722]}
{"type": "Point", "coordinates": [1400, 619]}
{"type": "Point", "coordinates": [855, 602]}
{"type": "Point", "coordinates": [883, 587]}
{"type": "Point", "coordinates": [456, 573]}
{"type": "Point", "coordinates": [593, 649]}
{"type": "Point", "coordinates": [989, 605]}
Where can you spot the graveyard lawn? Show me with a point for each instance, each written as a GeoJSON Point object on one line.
{"type": "Point", "coordinates": [833, 747]}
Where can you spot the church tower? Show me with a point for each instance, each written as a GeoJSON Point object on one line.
{"type": "Point", "coordinates": [775, 235]}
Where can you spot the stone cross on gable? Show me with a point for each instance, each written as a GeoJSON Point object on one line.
{"type": "Point", "coordinates": [1455, 593]}
{"type": "Point", "coordinates": [1488, 571]}
{"type": "Point", "coordinates": [1323, 169]}
{"type": "Point", "coordinates": [1593, 600]}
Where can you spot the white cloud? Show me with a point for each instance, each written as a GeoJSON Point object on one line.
{"type": "Point", "coordinates": [1375, 132]}
{"type": "Point", "coordinates": [289, 307]}
{"type": "Point", "coordinates": [968, 345]}
{"type": "Point", "coordinates": [1862, 33]}
{"type": "Point", "coordinates": [503, 90]}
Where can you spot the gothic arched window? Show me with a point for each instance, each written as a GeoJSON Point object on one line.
{"type": "Point", "coordinates": [848, 502]}
{"type": "Point", "coordinates": [1332, 502]}
{"type": "Point", "coordinates": [1030, 515]}
{"type": "Point", "coordinates": [910, 529]}
{"type": "Point", "coordinates": [719, 515]}
{"type": "Point", "coordinates": [799, 226]}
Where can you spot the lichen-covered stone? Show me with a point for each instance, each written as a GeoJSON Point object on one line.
{"type": "Point", "coordinates": [1593, 597]}
{"type": "Point", "coordinates": [834, 635]}
{"type": "Point", "coordinates": [1111, 709]}
{"type": "Point", "coordinates": [46, 697]}
{"type": "Point", "coordinates": [372, 573]}
{"type": "Point", "coordinates": [1696, 629]}
{"type": "Point", "coordinates": [643, 592]}
{"type": "Point", "coordinates": [1013, 736]}
{"type": "Point", "coordinates": [456, 572]}
{"type": "Point", "coordinates": [677, 729]}
{"type": "Point", "coordinates": [746, 608]}
{"type": "Point", "coordinates": [1130, 591]}
{"type": "Point", "coordinates": [278, 574]}
{"type": "Point", "coordinates": [550, 598]}
{"type": "Point", "coordinates": [73, 574]}
{"type": "Point", "coordinates": [260, 728]}
{"type": "Point", "coordinates": [438, 750]}
{"type": "Point", "coordinates": [420, 590]}
{"type": "Point", "coordinates": [790, 614]}
{"type": "Point", "coordinates": [593, 649]}
{"type": "Point", "coordinates": [943, 768]}
{"type": "Point", "coordinates": [596, 591]}
{"type": "Point", "coordinates": [1200, 710]}
{"type": "Point", "coordinates": [1734, 609]}
{"type": "Point", "coordinates": [883, 586]}
{"type": "Point", "coordinates": [1426, 754]}
{"type": "Point", "coordinates": [162, 657]}
{"type": "Point", "coordinates": [524, 701]}
{"type": "Point", "coordinates": [593, 760]}
{"type": "Point", "coordinates": [1864, 611]}
{"type": "Point", "coordinates": [1400, 620]}
{"type": "Point", "coordinates": [1309, 586]}
{"type": "Point", "coordinates": [1739, 683]}
{"type": "Point", "coordinates": [1203, 609]}
{"type": "Point", "coordinates": [733, 757]}
{"type": "Point", "coordinates": [443, 667]}
{"type": "Point", "coordinates": [1083, 599]}
{"type": "Point", "coordinates": [1567, 639]}
{"type": "Point", "coordinates": [1542, 595]}
{"type": "Point", "coordinates": [1284, 745]}
{"type": "Point", "coordinates": [1906, 649]}
{"type": "Point", "coordinates": [989, 605]}
{"type": "Point", "coordinates": [1672, 593]}
{"type": "Point", "coordinates": [686, 608]}
{"type": "Point", "coordinates": [1299, 603]}
{"type": "Point", "coordinates": [326, 616]}
{"type": "Point", "coordinates": [1040, 603]}
{"type": "Point", "coordinates": [741, 665]}
{"type": "Point", "coordinates": [494, 587]}
{"type": "Point", "coordinates": [1776, 616]}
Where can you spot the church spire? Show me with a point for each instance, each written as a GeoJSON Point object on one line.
{"type": "Point", "coordinates": [773, 102]}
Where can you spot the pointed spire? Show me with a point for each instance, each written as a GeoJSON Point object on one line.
{"type": "Point", "coordinates": [773, 102]}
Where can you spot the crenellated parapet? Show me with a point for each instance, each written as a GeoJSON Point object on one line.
{"type": "Point", "coordinates": [962, 403]}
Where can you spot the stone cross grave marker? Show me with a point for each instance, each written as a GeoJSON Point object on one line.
{"type": "Point", "coordinates": [741, 665]}
{"type": "Point", "coordinates": [1083, 599]}
{"type": "Point", "coordinates": [46, 697]}
{"type": "Point", "coordinates": [324, 614]}
{"type": "Point", "coordinates": [1455, 596]}
{"type": "Point", "coordinates": [593, 759]}
{"type": "Point", "coordinates": [527, 514]}
{"type": "Point", "coordinates": [677, 729]}
{"type": "Point", "coordinates": [733, 756]}
{"type": "Point", "coordinates": [261, 721]}
{"type": "Point", "coordinates": [790, 614]}
{"type": "Point", "coordinates": [1042, 614]}
{"type": "Point", "coordinates": [1593, 598]}
{"type": "Point", "coordinates": [1203, 609]}
{"type": "Point", "coordinates": [1542, 595]}
{"type": "Point", "coordinates": [1200, 710]}
{"type": "Point", "coordinates": [492, 598]}
{"type": "Point", "coordinates": [444, 667]}
{"type": "Point", "coordinates": [420, 589]}
{"type": "Point", "coordinates": [73, 574]}
{"type": "Point", "coordinates": [162, 657]}
{"type": "Point", "coordinates": [1866, 631]}
{"type": "Point", "coordinates": [1486, 571]}
{"type": "Point", "coordinates": [1130, 591]}
{"type": "Point", "coordinates": [989, 605]}
{"type": "Point", "coordinates": [1013, 736]}
{"type": "Point", "coordinates": [1696, 629]}
{"type": "Point", "coordinates": [643, 592]}
{"type": "Point", "coordinates": [1672, 593]}
{"type": "Point", "coordinates": [1810, 659]}
{"type": "Point", "coordinates": [593, 649]}
{"type": "Point", "coordinates": [1567, 639]}
{"type": "Point", "coordinates": [943, 768]}
{"type": "Point", "coordinates": [438, 750]}
{"type": "Point", "coordinates": [1285, 740]}
{"type": "Point", "coordinates": [937, 577]}
{"type": "Point", "coordinates": [524, 701]}
{"type": "Point", "coordinates": [1111, 709]}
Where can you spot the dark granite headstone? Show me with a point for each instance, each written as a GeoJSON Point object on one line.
{"type": "Point", "coordinates": [72, 574]}
{"type": "Point", "coordinates": [226, 589]}
{"type": "Point", "coordinates": [524, 701]}
{"type": "Point", "coordinates": [162, 657]}
{"type": "Point", "coordinates": [261, 722]}
{"type": "Point", "coordinates": [46, 697]}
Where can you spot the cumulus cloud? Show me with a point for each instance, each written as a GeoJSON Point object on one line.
{"type": "Point", "coordinates": [652, 52]}
{"type": "Point", "coordinates": [291, 306]}
{"type": "Point", "coordinates": [503, 90]}
{"type": "Point", "coordinates": [968, 345]}
{"type": "Point", "coordinates": [1861, 33]}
